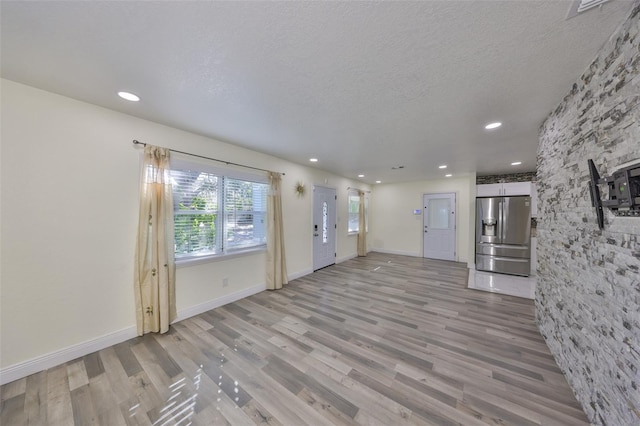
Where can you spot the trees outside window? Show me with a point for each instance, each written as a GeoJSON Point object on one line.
{"type": "Point", "coordinates": [216, 214]}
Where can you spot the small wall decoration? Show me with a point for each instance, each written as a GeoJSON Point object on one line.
{"type": "Point", "coordinates": [300, 189]}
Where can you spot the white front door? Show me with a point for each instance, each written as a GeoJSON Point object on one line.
{"type": "Point", "coordinates": [324, 227]}
{"type": "Point", "coordinates": [440, 226]}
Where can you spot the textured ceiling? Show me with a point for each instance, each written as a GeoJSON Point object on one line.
{"type": "Point", "coordinates": [363, 86]}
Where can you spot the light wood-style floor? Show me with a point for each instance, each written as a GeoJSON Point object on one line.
{"type": "Point", "coordinates": [384, 339]}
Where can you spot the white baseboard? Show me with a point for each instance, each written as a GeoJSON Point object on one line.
{"type": "Point", "coordinates": [304, 272]}
{"type": "Point", "coordinates": [345, 258]}
{"type": "Point", "coordinates": [299, 274]}
{"type": "Point", "coordinates": [52, 359]}
{"type": "Point", "coordinates": [416, 254]}
{"type": "Point", "coordinates": [398, 252]}
{"type": "Point", "coordinates": [220, 301]}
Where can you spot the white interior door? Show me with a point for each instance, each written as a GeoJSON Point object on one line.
{"type": "Point", "coordinates": [324, 227]}
{"type": "Point", "coordinates": [440, 226]}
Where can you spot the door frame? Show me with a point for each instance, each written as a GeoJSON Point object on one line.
{"type": "Point", "coordinates": [456, 196]}
{"type": "Point", "coordinates": [313, 209]}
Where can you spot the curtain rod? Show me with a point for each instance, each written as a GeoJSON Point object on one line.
{"type": "Point", "coordinates": [358, 189]}
{"type": "Point", "coordinates": [136, 142]}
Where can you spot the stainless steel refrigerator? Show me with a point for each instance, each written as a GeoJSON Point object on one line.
{"type": "Point", "coordinates": [503, 235]}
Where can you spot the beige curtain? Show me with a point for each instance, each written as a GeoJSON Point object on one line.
{"type": "Point", "coordinates": [362, 228]}
{"type": "Point", "coordinates": [276, 263]}
{"type": "Point", "coordinates": [154, 280]}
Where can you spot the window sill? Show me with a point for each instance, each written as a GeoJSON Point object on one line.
{"type": "Point", "coordinates": [193, 261]}
{"type": "Point", "coordinates": [353, 233]}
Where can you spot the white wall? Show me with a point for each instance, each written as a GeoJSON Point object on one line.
{"type": "Point", "coordinates": [69, 214]}
{"type": "Point", "coordinates": [395, 229]}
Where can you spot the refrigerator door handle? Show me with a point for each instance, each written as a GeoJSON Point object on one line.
{"type": "Point", "coordinates": [500, 222]}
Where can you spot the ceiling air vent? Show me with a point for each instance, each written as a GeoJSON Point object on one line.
{"type": "Point", "coordinates": [580, 6]}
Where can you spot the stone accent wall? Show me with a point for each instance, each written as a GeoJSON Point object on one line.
{"type": "Point", "coordinates": [512, 177]}
{"type": "Point", "coordinates": [588, 293]}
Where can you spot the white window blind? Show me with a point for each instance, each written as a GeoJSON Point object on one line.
{"type": "Point", "coordinates": [215, 213]}
{"type": "Point", "coordinates": [245, 208]}
{"type": "Point", "coordinates": [196, 202]}
{"type": "Point", "coordinates": [354, 211]}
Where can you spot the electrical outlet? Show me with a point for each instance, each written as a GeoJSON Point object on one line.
{"type": "Point", "coordinates": [225, 282]}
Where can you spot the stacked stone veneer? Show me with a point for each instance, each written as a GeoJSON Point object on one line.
{"type": "Point", "coordinates": [512, 177]}
{"type": "Point", "coordinates": [588, 292]}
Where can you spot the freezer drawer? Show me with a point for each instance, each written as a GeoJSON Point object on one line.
{"type": "Point", "coordinates": [505, 265]}
{"type": "Point", "coordinates": [503, 250]}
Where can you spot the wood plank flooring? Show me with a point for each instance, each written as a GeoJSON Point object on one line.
{"type": "Point", "coordinates": [385, 339]}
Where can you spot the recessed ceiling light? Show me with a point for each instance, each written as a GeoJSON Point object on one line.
{"type": "Point", "coordinates": [449, 175]}
{"type": "Point", "coordinates": [516, 163]}
{"type": "Point", "coordinates": [444, 166]}
{"type": "Point", "coordinates": [491, 126]}
{"type": "Point", "coordinates": [313, 160]}
{"type": "Point", "coordinates": [129, 96]}
{"type": "Point", "coordinates": [378, 181]}
{"type": "Point", "coordinates": [360, 175]}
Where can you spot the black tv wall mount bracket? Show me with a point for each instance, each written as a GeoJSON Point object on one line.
{"type": "Point", "coordinates": [624, 192]}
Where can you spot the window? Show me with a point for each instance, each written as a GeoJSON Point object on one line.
{"type": "Point", "coordinates": [245, 206]}
{"type": "Point", "coordinates": [215, 213]}
{"type": "Point", "coordinates": [195, 212]}
{"type": "Point", "coordinates": [354, 212]}
{"type": "Point", "coordinates": [366, 212]}
{"type": "Point", "coordinates": [325, 220]}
